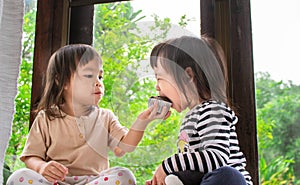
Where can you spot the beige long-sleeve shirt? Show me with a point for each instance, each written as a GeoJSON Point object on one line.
{"type": "Point", "coordinates": [81, 144]}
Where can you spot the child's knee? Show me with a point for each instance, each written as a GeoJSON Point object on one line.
{"type": "Point", "coordinates": [121, 175]}
{"type": "Point", "coordinates": [16, 177]}
{"type": "Point", "coordinates": [27, 176]}
{"type": "Point", "coordinates": [225, 175]}
{"type": "Point", "coordinates": [126, 175]}
{"type": "Point", "coordinates": [230, 172]}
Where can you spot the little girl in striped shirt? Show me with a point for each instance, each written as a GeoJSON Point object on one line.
{"type": "Point", "coordinates": [192, 73]}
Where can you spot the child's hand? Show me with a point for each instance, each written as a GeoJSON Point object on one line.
{"type": "Point", "coordinates": [148, 182]}
{"type": "Point", "coordinates": [158, 177]}
{"type": "Point", "coordinates": [118, 152]}
{"type": "Point", "coordinates": [151, 113]}
{"type": "Point", "coordinates": [54, 171]}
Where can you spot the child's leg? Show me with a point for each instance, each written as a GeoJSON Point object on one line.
{"type": "Point", "coordinates": [225, 175]}
{"type": "Point", "coordinates": [115, 175]}
{"type": "Point", "coordinates": [26, 176]}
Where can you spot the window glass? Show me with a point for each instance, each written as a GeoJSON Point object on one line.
{"type": "Point", "coordinates": [276, 28]}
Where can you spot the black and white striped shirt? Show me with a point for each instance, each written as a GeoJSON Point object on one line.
{"type": "Point", "coordinates": [207, 141]}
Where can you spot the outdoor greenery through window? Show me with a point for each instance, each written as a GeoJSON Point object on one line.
{"type": "Point", "coordinates": [124, 36]}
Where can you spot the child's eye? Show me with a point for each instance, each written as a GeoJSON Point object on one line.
{"type": "Point", "coordinates": [88, 76]}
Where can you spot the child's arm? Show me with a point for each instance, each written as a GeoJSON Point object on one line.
{"type": "Point", "coordinates": [136, 132]}
{"type": "Point", "coordinates": [52, 170]}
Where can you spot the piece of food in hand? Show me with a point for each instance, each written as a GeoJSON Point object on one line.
{"type": "Point", "coordinates": [162, 101]}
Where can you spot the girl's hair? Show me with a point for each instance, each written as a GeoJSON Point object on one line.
{"type": "Point", "coordinates": [62, 65]}
{"type": "Point", "coordinates": [206, 59]}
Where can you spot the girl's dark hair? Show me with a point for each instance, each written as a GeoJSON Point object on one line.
{"type": "Point", "coordinates": [62, 64]}
{"type": "Point", "coordinates": [206, 59]}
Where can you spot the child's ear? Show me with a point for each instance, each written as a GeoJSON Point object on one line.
{"type": "Point", "coordinates": [189, 71]}
{"type": "Point", "coordinates": [66, 86]}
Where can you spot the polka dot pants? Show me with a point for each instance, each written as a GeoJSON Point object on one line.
{"type": "Point", "coordinates": [112, 176]}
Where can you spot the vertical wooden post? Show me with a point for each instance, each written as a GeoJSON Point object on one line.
{"type": "Point", "coordinates": [207, 17]}
{"type": "Point", "coordinates": [51, 33]}
{"type": "Point", "coordinates": [229, 22]}
{"type": "Point", "coordinates": [242, 78]}
{"type": "Point", "coordinates": [81, 25]}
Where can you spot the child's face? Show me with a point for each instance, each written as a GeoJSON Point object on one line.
{"type": "Point", "coordinates": [86, 85]}
{"type": "Point", "coordinates": [166, 86]}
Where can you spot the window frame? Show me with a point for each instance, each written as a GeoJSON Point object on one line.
{"type": "Point", "coordinates": [57, 24]}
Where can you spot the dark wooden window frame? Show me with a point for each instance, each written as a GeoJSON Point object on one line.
{"type": "Point", "coordinates": [61, 22]}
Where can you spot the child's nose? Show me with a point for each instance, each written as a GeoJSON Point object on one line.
{"type": "Point", "coordinates": [157, 87]}
{"type": "Point", "coordinates": [98, 83]}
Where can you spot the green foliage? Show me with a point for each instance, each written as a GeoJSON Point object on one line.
{"type": "Point", "coordinates": [184, 20]}
{"type": "Point", "coordinates": [266, 89]}
{"type": "Point", "coordinates": [277, 172]}
{"type": "Point", "coordinates": [6, 172]}
{"type": "Point", "coordinates": [278, 118]}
